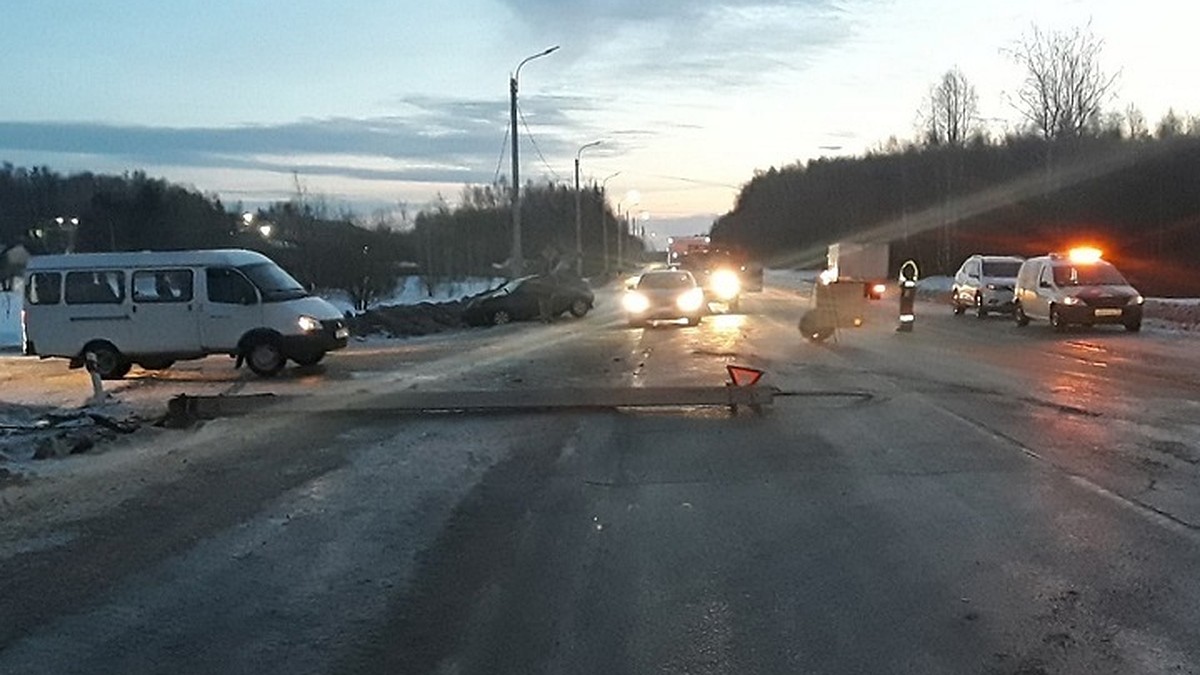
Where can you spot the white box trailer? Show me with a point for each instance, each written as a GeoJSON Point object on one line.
{"type": "Point", "coordinates": [153, 308]}
{"type": "Point", "coordinates": [866, 264]}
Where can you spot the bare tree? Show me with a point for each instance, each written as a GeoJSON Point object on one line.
{"type": "Point", "coordinates": [1065, 86]}
{"type": "Point", "coordinates": [950, 114]}
{"type": "Point", "coordinates": [1136, 121]}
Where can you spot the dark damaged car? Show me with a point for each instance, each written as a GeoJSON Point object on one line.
{"type": "Point", "coordinates": [527, 298]}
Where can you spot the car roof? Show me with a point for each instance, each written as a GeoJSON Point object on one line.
{"type": "Point", "coordinates": [999, 258]}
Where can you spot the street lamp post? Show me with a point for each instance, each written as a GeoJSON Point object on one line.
{"type": "Point", "coordinates": [604, 216]}
{"type": "Point", "coordinates": [634, 198]}
{"type": "Point", "coordinates": [579, 210]}
{"type": "Point", "coordinates": [518, 261]}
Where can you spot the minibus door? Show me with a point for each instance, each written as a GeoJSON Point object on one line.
{"type": "Point", "coordinates": [231, 308]}
{"type": "Point", "coordinates": [165, 317]}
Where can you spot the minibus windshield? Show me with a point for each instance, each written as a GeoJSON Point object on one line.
{"type": "Point", "coordinates": [274, 284]}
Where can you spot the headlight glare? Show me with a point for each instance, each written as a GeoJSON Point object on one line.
{"type": "Point", "coordinates": [691, 300]}
{"type": "Point", "coordinates": [725, 284]}
{"type": "Point", "coordinates": [308, 324]}
{"type": "Point", "coordinates": [635, 303]}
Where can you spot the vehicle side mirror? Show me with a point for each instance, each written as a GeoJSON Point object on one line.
{"type": "Point", "coordinates": [972, 275]}
{"type": "Point", "coordinates": [1044, 284]}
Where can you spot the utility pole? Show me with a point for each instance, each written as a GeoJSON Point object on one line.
{"type": "Point", "coordinates": [517, 259]}
{"type": "Point", "coordinates": [604, 215]}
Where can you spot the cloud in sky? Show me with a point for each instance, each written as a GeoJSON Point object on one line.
{"type": "Point", "coordinates": [407, 97]}
{"type": "Point", "coordinates": [435, 141]}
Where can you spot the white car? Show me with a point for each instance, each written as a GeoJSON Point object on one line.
{"type": "Point", "coordinates": [665, 295]}
{"type": "Point", "coordinates": [1077, 288]}
{"type": "Point", "coordinates": [985, 283]}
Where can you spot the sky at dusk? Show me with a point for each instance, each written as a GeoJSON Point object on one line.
{"type": "Point", "coordinates": [373, 103]}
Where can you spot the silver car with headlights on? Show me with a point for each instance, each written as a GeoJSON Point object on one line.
{"type": "Point", "coordinates": [663, 295]}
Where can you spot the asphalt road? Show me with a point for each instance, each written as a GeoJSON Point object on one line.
{"type": "Point", "coordinates": [967, 498]}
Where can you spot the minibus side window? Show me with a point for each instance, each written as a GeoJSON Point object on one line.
{"type": "Point", "coordinates": [228, 286]}
{"type": "Point", "coordinates": [95, 288]}
{"type": "Point", "coordinates": [162, 286]}
{"type": "Point", "coordinates": [45, 288]}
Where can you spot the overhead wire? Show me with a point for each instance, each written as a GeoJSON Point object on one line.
{"type": "Point", "coordinates": [503, 151]}
{"type": "Point", "coordinates": [533, 140]}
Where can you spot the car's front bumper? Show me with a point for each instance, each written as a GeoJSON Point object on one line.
{"type": "Point", "coordinates": [334, 334]}
{"type": "Point", "coordinates": [1084, 314]}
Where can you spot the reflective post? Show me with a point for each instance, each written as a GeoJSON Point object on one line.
{"type": "Point", "coordinates": [908, 296]}
{"type": "Point", "coordinates": [98, 393]}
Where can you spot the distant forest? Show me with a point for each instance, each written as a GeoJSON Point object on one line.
{"type": "Point", "coordinates": [1138, 198]}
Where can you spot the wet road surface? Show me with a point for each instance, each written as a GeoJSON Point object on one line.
{"type": "Point", "coordinates": [1002, 501]}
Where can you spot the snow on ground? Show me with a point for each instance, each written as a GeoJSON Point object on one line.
{"type": "Point", "coordinates": [411, 290]}
{"type": "Point", "coordinates": [791, 279]}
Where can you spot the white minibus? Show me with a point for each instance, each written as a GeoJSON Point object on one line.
{"type": "Point", "coordinates": [153, 308]}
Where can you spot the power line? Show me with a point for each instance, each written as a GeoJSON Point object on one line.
{"type": "Point", "coordinates": [557, 178]}
{"type": "Point", "coordinates": [500, 161]}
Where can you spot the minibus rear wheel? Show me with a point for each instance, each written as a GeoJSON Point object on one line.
{"type": "Point", "coordinates": [111, 364]}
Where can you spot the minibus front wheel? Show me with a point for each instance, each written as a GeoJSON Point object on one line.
{"type": "Point", "coordinates": [264, 356]}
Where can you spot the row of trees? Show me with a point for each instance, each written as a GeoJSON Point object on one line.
{"type": "Point", "coordinates": [49, 213]}
{"type": "Point", "coordinates": [1075, 173]}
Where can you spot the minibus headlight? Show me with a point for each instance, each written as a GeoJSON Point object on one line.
{"type": "Point", "coordinates": [308, 324]}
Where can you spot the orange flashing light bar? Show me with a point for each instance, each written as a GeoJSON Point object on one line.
{"type": "Point", "coordinates": [1084, 255]}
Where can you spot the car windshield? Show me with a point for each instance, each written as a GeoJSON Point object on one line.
{"type": "Point", "coordinates": [1001, 269]}
{"type": "Point", "coordinates": [666, 281]}
{"type": "Point", "coordinates": [1094, 274]}
{"type": "Point", "coordinates": [274, 284]}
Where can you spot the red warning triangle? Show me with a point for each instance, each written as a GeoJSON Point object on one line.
{"type": "Point", "coordinates": [743, 376]}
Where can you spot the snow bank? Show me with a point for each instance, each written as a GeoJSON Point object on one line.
{"type": "Point", "coordinates": [411, 290]}
{"type": "Point", "coordinates": [796, 280]}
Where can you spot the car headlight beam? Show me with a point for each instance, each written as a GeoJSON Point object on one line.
{"type": "Point", "coordinates": [635, 303]}
{"type": "Point", "coordinates": [726, 285]}
{"type": "Point", "coordinates": [691, 301]}
{"type": "Point", "coordinates": [308, 324]}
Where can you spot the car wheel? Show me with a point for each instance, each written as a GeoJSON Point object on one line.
{"type": "Point", "coordinates": [958, 309]}
{"type": "Point", "coordinates": [1133, 326]}
{"type": "Point", "coordinates": [1056, 320]}
{"type": "Point", "coordinates": [980, 311]}
{"type": "Point", "coordinates": [265, 357]}
{"type": "Point", "coordinates": [579, 309]}
{"type": "Point", "coordinates": [111, 364]}
{"type": "Point", "coordinates": [692, 320]}
{"type": "Point", "coordinates": [309, 359]}
{"type": "Point", "coordinates": [501, 317]}
{"type": "Point", "coordinates": [1020, 317]}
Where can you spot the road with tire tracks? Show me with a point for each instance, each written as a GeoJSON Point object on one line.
{"type": "Point", "coordinates": [967, 498]}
